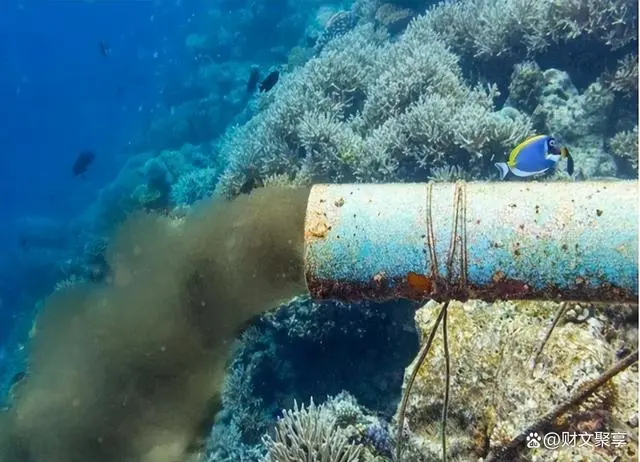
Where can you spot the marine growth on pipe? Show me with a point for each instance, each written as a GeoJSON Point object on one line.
{"type": "Point", "coordinates": [485, 240]}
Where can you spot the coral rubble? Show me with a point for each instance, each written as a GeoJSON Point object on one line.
{"type": "Point", "coordinates": [494, 393]}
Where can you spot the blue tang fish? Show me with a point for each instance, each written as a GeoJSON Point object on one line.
{"type": "Point", "coordinates": [535, 156]}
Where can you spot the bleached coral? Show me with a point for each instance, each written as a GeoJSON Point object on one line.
{"type": "Point", "coordinates": [416, 64]}
{"type": "Point", "coordinates": [625, 77]}
{"type": "Point", "coordinates": [441, 130]}
{"type": "Point", "coordinates": [488, 28]}
{"type": "Point", "coordinates": [624, 145]}
{"type": "Point", "coordinates": [331, 87]}
{"type": "Point", "coordinates": [365, 110]}
{"type": "Point", "coordinates": [312, 434]}
{"type": "Point", "coordinates": [447, 174]}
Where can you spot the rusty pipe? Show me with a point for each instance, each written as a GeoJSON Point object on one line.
{"type": "Point", "coordinates": [485, 240]}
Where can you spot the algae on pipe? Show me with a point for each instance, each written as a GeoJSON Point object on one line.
{"type": "Point", "coordinates": [513, 240]}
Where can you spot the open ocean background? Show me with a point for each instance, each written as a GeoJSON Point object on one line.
{"type": "Point", "coordinates": [60, 96]}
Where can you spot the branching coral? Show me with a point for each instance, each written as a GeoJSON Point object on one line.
{"type": "Point", "coordinates": [625, 78]}
{"type": "Point", "coordinates": [193, 186]}
{"type": "Point", "coordinates": [409, 69]}
{"type": "Point", "coordinates": [447, 174]}
{"type": "Point", "coordinates": [330, 147]}
{"type": "Point", "coordinates": [438, 131]}
{"type": "Point", "coordinates": [624, 145]}
{"type": "Point", "coordinates": [486, 28]}
{"type": "Point", "coordinates": [329, 88]}
{"type": "Point", "coordinates": [310, 434]}
{"type": "Point", "coordinates": [368, 112]}
{"type": "Point", "coordinates": [612, 22]}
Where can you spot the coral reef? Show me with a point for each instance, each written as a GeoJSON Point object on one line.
{"type": "Point", "coordinates": [366, 112]}
{"type": "Point", "coordinates": [525, 88]}
{"type": "Point", "coordinates": [270, 143]}
{"type": "Point", "coordinates": [338, 429]}
{"type": "Point", "coordinates": [495, 395]}
{"type": "Point", "coordinates": [270, 365]}
{"type": "Point", "coordinates": [394, 17]}
{"type": "Point", "coordinates": [489, 28]}
{"type": "Point", "coordinates": [194, 186]}
{"type": "Point", "coordinates": [337, 25]}
{"type": "Point", "coordinates": [311, 434]}
{"type": "Point", "coordinates": [151, 181]}
{"type": "Point", "coordinates": [579, 120]}
{"type": "Point", "coordinates": [582, 120]}
{"type": "Point", "coordinates": [624, 145]}
{"type": "Point", "coordinates": [625, 77]}
{"type": "Point", "coordinates": [369, 110]}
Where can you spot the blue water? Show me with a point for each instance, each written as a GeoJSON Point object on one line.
{"type": "Point", "coordinates": [60, 96]}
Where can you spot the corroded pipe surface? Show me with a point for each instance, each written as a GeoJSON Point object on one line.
{"type": "Point", "coordinates": [486, 240]}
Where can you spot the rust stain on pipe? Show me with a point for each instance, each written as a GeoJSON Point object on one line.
{"type": "Point", "coordinates": [558, 241]}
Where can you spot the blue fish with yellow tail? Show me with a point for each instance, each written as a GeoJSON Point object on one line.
{"type": "Point", "coordinates": [535, 156]}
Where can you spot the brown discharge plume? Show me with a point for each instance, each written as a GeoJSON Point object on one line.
{"type": "Point", "coordinates": [131, 370]}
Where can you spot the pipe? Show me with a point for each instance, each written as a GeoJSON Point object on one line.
{"type": "Point", "coordinates": [485, 240]}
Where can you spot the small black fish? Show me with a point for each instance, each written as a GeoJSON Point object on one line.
{"type": "Point", "coordinates": [16, 381]}
{"type": "Point", "coordinates": [253, 80]}
{"type": "Point", "coordinates": [17, 378]}
{"type": "Point", "coordinates": [269, 82]}
{"type": "Point", "coordinates": [83, 162]}
{"type": "Point", "coordinates": [105, 50]}
{"type": "Point", "coordinates": [564, 152]}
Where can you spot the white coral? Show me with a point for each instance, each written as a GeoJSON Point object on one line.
{"type": "Point", "coordinates": [310, 434]}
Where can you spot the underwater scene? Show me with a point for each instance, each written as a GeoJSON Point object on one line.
{"type": "Point", "coordinates": [319, 231]}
